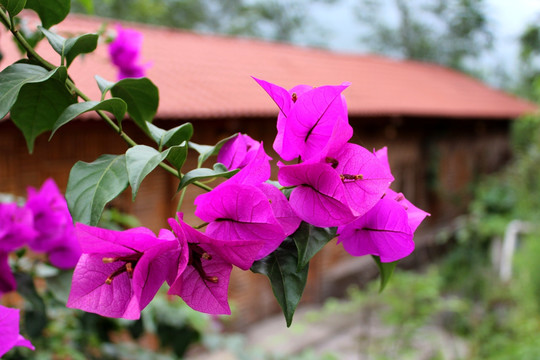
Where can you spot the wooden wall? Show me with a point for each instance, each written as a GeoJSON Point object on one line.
{"type": "Point", "coordinates": [434, 161]}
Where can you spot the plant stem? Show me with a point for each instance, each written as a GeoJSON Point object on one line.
{"type": "Point", "coordinates": [181, 200]}
{"type": "Point", "coordinates": [31, 53]}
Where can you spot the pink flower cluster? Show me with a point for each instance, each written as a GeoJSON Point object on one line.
{"type": "Point", "coordinates": [334, 184]}
{"type": "Point", "coordinates": [44, 224]}
{"type": "Point", "coordinates": [337, 183]}
{"type": "Point", "coordinates": [125, 53]}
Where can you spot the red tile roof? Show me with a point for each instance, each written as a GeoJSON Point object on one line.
{"type": "Point", "coordinates": [208, 76]}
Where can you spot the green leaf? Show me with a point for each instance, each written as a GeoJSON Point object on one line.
{"type": "Point", "coordinates": [140, 161]}
{"type": "Point", "coordinates": [92, 185]}
{"type": "Point", "coordinates": [72, 47]}
{"type": "Point", "coordinates": [38, 106]}
{"type": "Point", "coordinates": [141, 97]}
{"type": "Point", "coordinates": [13, 6]}
{"type": "Point", "coordinates": [309, 240]}
{"type": "Point", "coordinates": [386, 270]}
{"type": "Point", "coordinates": [206, 151]}
{"type": "Point", "coordinates": [177, 155]}
{"type": "Point", "coordinates": [174, 136]}
{"type": "Point", "coordinates": [177, 135]}
{"type": "Point", "coordinates": [51, 12]}
{"type": "Point", "coordinates": [287, 282]}
{"type": "Point", "coordinates": [204, 173]}
{"type": "Point", "coordinates": [115, 106]}
{"type": "Point", "coordinates": [15, 76]}
{"type": "Point", "coordinates": [155, 132]}
{"type": "Point", "coordinates": [104, 85]}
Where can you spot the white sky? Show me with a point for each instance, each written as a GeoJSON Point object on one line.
{"type": "Point", "coordinates": [508, 18]}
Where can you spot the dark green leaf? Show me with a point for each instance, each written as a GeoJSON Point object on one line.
{"type": "Point", "coordinates": [104, 85]}
{"type": "Point", "coordinates": [15, 76]}
{"type": "Point", "coordinates": [13, 6]}
{"type": "Point", "coordinates": [141, 97]}
{"type": "Point", "coordinates": [287, 282]}
{"type": "Point", "coordinates": [72, 47]}
{"type": "Point", "coordinates": [174, 136]}
{"type": "Point", "coordinates": [154, 131]}
{"type": "Point", "coordinates": [177, 135]}
{"type": "Point", "coordinates": [309, 240]}
{"type": "Point", "coordinates": [205, 151]}
{"type": "Point", "coordinates": [51, 12]}
{"type": "Point", "coordinates": [115, 106]}
{"type": "Point", "coordinates": [177, 155]}
{"type": "Point", "coordinates": [35, 318]}
{"type": "Point", "coordinates": [92, 185]}
{"type": "Point", "coordinates": [386, 270]}
{"type": "Point", "coordinates": [82, 44]}
{"type": "Point", "coordinates": [38, 106]}
{"type": "Point", "coordinates": [57, 42]}
{"type": "Point", "coordinates": [140, 161]}
{"type": "Point", "coordinates": [204, 173]}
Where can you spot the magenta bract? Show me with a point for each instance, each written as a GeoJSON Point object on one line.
{"type": "Point", "coordinates": [365, 177]}
{"type": "Point", "coordinates": [240, 212]}
{"type": "Point", "coordinates": [383, 231]}
{"type": "Point", "coordinates": [311, 122]}
{"type": "Point", "coordinates": [238, 152]}
{"type": "Point", "coordinates": [256, 171]}
{"type": "Point", "coordinates": [7, 280]}
{"type": "Point", "coordinates": [319, 197]}
{"type": "Point", "coordinates": [9, 331]}
{"type": "Point", "coordinates": [54, 225]}
{"type": "Point", "coordinates": [16, 227]}
{"type": "Point", "coordinates": [120, 271]}
{"type": "Point", "coordinates": [204, 283]}
{"type": "Point", "coordinates": [125, 53]}
{"type": "Point", "coordinates": [415, 216]}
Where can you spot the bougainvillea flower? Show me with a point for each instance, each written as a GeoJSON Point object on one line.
{"type": "Point", "coordinates": [120, 271]}
{"type": "Point", "coordinates": [7, 280]}
{"type": "Point", "coordinates": [238, 152]}
{"type": "Point", "coordinates": [16, 226]}
{"type": "Point", "coordinates": [319, 197]}
{"type": "Point", "coordinates": [382, 155]}
{"type": "Point", "coordinates": [204, 283]}
{"type": "Point", "coordinates": [283, 211]}
{"type": "Point", "coordinates": [364, 176]}
{"type": "Point", "coordinates": [415, 215]}
{"type": "Point", "coordinates": [125, 53]}
{"type": "Point", "coordinates": [284, 100]}
{"type": "Point", "coordinates": [240, 212]}
{"type": "Point", "coordinates": [313, 122]}
{"type": "Point", "coordinates": [53, 222]}
{"type": "Point", "coordinates": [383, 231]}
{"type": "Point", "coordinates": [133, 71]}
{"type": "Point", "coordinates": [51, 216]}
{"type": "Point", "coordinates": [255, 172]}
{"type": "Point", "coordinates": [9, 331]}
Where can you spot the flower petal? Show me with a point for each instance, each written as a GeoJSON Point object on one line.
{"type": "Point", "coordinates": [203, 295]}
{"type": "Point", "coordinates": [317, 121]}
{"type": "Point", "coordinates": [364, 193]}
{"type": "Point", "coordinates": [90, 293]}
{"type": "Point", "coordinates": [7, 280]}
{"type": "Point", "coordinates": [319, 197]}
{"type": "Point", "coordinates": [382, 231]}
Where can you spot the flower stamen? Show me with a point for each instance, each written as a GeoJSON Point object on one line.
{"type": "Point", "coordinates": [350, 178]}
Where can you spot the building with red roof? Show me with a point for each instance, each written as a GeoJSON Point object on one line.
{"type": "Point", "coordinates": [443, 129]}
